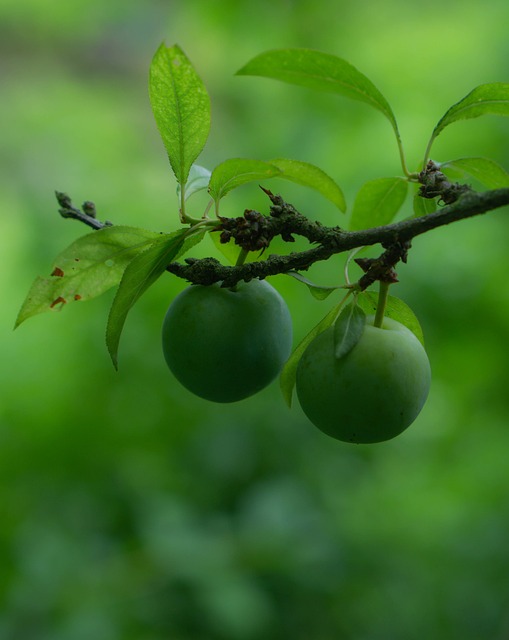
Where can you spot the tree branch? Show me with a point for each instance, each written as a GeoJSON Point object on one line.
{"type": "Point", "coordinates": [395, 238]}
{"type": "Point", "coordinates": [254, 231]}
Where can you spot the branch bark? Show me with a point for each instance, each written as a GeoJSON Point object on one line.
{"type": "Point", "coordinates": [285, 219]}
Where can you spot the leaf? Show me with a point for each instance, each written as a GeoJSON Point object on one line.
{"type": "Point", "coordinates": [139, 275]}
{"type": "Point", "coordinates": [289, 372]}
{"type": "Point", "coordinates": [486, 171]}
{"type": "Point", "coordinates": [87, 268]}
{"type": "Point", "coordinates": [310, 176]}
{"type": "Point", "coordinates": [319, 71]}
{"type": "Point", "coordinates": [395, 309]}
{"type": "Point", "coordinates": [485, 99]}
{"type": "Point", "coordinates": [197, 180]}
{"type": "Point", "coordinates": [348, 329]}
{"type": "Point", "coordinates": [181, 107]}
{"type": "Point", "coordinates": [317, 291]}
{"type": "Point", "coordinates": [230, 250]}
{"type": "Point", "coordinates": [424, 206]}
{"type": "Point", "coordinates": [377, 202]}
{"type": "Point", "coordinates": [238, 171]}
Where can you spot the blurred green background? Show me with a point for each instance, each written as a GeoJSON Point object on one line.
{"type": "Point", "coordinates": [131, 510]}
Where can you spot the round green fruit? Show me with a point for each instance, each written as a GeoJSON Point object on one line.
{"type": "Point", "coordinates": [225, 345]}
{"type": "Point", "coordinates": [371, 394]}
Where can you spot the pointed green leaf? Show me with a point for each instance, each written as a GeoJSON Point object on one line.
{"type": "Point", "coordinates": [197, 180]}
{"type": "Point", "coordinates": [289, 372]}
{"type": "Point", "coordinates": [139, 275]}
{"type": "Point", "coordinates": [486, 171]}
{"type": "Point", "coordinates": [424, 206]}
{"type": "Point", "coordinates": [181, 108]}
{"type": "Point", "coordinates": [377, 202]}
{"type": "Point", "coordinates": [395, 309]}
{"type": "Point", "coordinates": [319, 71]}
{"type": "Point", "coordinates": [310, 176]}
{"type": "Point", "coordinates": [235, 172]}
{"type": "Point", "coordinates": [317, 291]}
{"type": "Point", "coordinates": [485, 99]}
{"type": "Point", "coordinates": [229, 250]}
{"type": "Point", "coordinates": [87, 268]}
{"type": "Point", "coordinates": [348, 329]}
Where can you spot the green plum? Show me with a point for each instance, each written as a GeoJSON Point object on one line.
{"type": "Point", "coordinates": [225, 345]}
{"type": "Point", "coordinates": [371, 394]}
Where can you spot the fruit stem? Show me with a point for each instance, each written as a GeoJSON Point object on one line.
{"type": "Point", "coordinates": [383, 293]}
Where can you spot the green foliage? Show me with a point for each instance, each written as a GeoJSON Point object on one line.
{"type": "Point", "coordinates": [396, 309]}
{"type": "Point", "coordinates": [319, 292]}
{"type": "Point", "coordinates": [488, 172]}
{"type": "Point", "coordinates": [139, 275]}
{"type": "Point", "coordinates": [377, 202]}
{"type": "Point", "coordinates": [181, 107]}
{"type": "Point", "coordinates": [288, 374]}
{"type": "Point", "coordinates": [235, 172]}
{"type": "Point", "coordinates": [308, 175]}
{"type": "Point", "coordinates": [348, 329]}
{"type": "Point", "coordinates": [87, 268]}
{"type": "Point", "coordinates": [485, 99]}
{"type": "Point", "coordinates": [320, 72]}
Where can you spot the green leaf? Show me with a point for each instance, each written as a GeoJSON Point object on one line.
{"type": "Point", "coordinates": [238, 171]}
{"type": "Point", "coordinates": [197, 180]}
{"type": "Point", "coordinates": [377, 202]}
{"type": "Point", "coordinates": [424, 206]}
{"type": "Point", "coordinates": [483, 100]}
{"type": "Point", "coordinates": [181, 107]}
{"type": "Point", "coordinates": [317, 291]}
{"type": "Point", "coordinates": [289, 372]}
{"type": "Point", "coordinates": [319, 71]}
{"type": "Point", "coordinates": [486, 171]}
{"type": "Point", "coordinates": [87, 268]}
{"type": "Point", "coordinates": [229, 250]}
{"type": "Point", "coordinates": [310, 176]}
{"type": "Point", "coordinates": [348, 329]}
{"type": "Point", "coordinates": [395, 309]}
{"type": "Point", "coordinates": [139, 275]}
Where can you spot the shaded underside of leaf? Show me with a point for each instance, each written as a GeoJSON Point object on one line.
{"type": "Point", "coordinates": [235, 172]}
{"type": "Point", "coordinates": [139, 275]}
{"type": "Point", "coordinates": [181, 107]}
{"type": "Point", "coordinates": [377, 202]}
{"type": "Point", "coordinates": [289, 373]}
{"type": "Point", "coordinates": [395, 309]}
{"type": "Point", "coordinates": [309, 175]}
{"type": "Point", "coordinates": [317, 291]}
{"type": "Point", "coordinates": [319, 71]}
{"type": "Point", "coordinates": [348, 329]}
{"type": "Point", "coordinates": [87, 268]}
{"type": "Point", "coordinates": [486, 171]}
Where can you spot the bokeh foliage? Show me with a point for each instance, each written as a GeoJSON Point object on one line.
{"type": "Point", "coordinates": [131, 509]}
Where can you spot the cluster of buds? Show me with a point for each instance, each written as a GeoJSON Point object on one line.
{"type": "Point", "coordinates": [252, 231]}
{"type": "Point", "coordinates": [435, 183]}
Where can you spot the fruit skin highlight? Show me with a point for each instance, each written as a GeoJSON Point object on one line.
{"type": "Point", "coordinates": [225, 345]}
{"type": "Point", "coordinates": [371, 394]}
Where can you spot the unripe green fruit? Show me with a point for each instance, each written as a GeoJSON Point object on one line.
{"type": "Point", "coordinates": [371, 394]}
{"type": "Point", "coordinates": [226, 345]}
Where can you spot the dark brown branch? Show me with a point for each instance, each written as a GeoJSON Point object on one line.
{"type": "Point", "coordinates": [334, 240]}
{"type": "Point", "coordinates": [286, 221]}
{"type": "Point", "coordinates": [87, 214]}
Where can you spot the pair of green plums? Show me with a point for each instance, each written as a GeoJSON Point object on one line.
{"type": "Point", "coordinates": [225, 345]}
